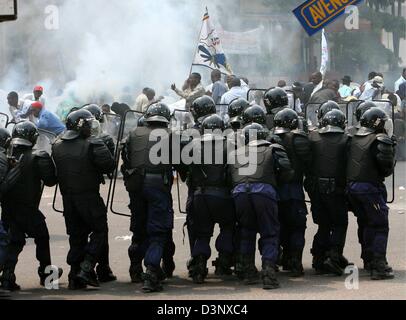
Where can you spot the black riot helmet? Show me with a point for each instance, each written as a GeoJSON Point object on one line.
{"type": "Point", "coordinates": [5, 137]}
{"type": "Point", "coordinates": [254, 114]}
{"type": "Point", "coordinates": [255, 131]}
{"type": "Point", "coordinates": [285, 121]}
{"type": "Point", "coordinates": [25, 134]}
{"type": "Point", "coordinates": [327, 107]}
{"type": "Point", "coordinates": [79, 123]}
{"type": "Point", "coordinates": [158, 112]}
{"type": "Point", "coordinates": [96, 111]}
{"type": "Point", "coordinates": [333, 121]}
{"type": "Point", "coordinates": [374, 120]}
{"type": "Point", "coordinates": [237, 107]}
{"type": "Point", "coordinates": [203, 107]}
{"type": "Point", "coordinates": [362, 108]}
{"type": "Point", "coordinates": [213, 122]}
{"type": "Point", "coordinates": [275, 98]}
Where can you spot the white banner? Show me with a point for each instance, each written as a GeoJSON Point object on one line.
{"type": "Point", "coordinates": [210, 51]}
{"type": "Point", "coordinates": [324, 54]}
{"type": "Point", "coordinates": [248, 42]}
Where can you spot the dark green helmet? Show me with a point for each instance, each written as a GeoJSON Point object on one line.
{"type": "Point", "coordinates": [25, 134]}
{"type": "Point", "coordinates": [327, 107]}
{"type": "Point", "coordinates": [213, 122]}
{"type": "Point", "coordinates": [275, 98]}
{"type": "Point", "coordinates": [362, 108]}
{"type": "Point", "coordinates": [334, 121]}
{"type": "Point", "coordinates": [203, 107]}
{"type": "Point", "coordinates": [374, 119]}
{"type": "Point", "coordinates": [254, 114]}
{"type": "Point", "coordinates": [95, 110]}
{"type": "Point", "coordinates": [158, 112]}
{"type": "Point", "coordinates": [254, 132]}
{"type": "Point", "coordinates": [285, 121]}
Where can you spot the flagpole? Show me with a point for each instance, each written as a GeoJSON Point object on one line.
{"type": "Point", "coordinates": [197, 48]}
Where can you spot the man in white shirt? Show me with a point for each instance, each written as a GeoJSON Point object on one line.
{"type": "Point", "coordinates": [19, 109]}
{"type": "Point", "coordinates": [401, 80]}
{"type": "Point", "coordinates": [36, 95]}
{"type": "Point", "coordinates": [372, 89]}
{"type": "Point", "coordinates": [144, 100]}
{"type": "Point", "coordinates": [236, 91]}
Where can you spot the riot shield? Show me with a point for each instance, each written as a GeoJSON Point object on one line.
{"type": "Point", "coordinates": [118, 202]}
{"type": "Point", "coordinates": [222, 111]}
{"type": "Point", "coordinates": [351, 109]}
{"type": "Point", "coordinates": [257, 96]}
{"type": "Point", "coordinates": [4, 119]}
{"type": "Point", "coordinates": [389, 109]}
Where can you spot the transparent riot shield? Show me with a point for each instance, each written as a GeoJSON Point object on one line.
{"type": "Point", "coordinates": [222, 111]}
{"type": "Point", "coordinates": [4, 119]}
{"type": "Point", "coordinates": [310, 111]}
{"type": "Point", "coordinates": [257, 96]}
{"type": "Point", "coordinates": [178, 125]}
{"type": "Point", "coordinates": [118, 198]}
{"type": "Point", "coordinates": [351, 109]}
{"type": "Point", "coordinates": [389, 109]}
{"type": "Point", "coordinates": [111, 126]}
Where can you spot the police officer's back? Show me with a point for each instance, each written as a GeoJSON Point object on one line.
{"type": "Point", "coordinates": [81, 162]}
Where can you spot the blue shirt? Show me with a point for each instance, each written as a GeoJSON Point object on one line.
{"type": "Point", "coordinates": [50, 122]}
{"type": "Point", "coordinates": [219, 89]}
{"type": "Point", "coordinates": [258, 188]}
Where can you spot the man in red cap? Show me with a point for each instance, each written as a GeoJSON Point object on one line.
{"type": "Point", "coordinates": [46, 119]}
{"type": "Point", "coordinates": [36, 95]}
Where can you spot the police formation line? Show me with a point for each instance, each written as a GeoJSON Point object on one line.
{"type": "Point", "coordinates": [342, 169]}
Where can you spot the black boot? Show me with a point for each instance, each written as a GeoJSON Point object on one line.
{"type": "Point", "coordinates": [8, 281]}
{"type": "Point", "coordinates": [74, 282]}
{"type": "Point", "coordinates": [269, 276]}
{"type": "Point", "coordinates": [105, 274]}
{"type": "Point", "coordinates": [87, 274]}
{"type": "Point", "coordinates": [332, 263]}
{"type": "Point", "coordinates": [381, 270]}
{"type": "Point", "coordinates": [136, 272]}
{"type": "Point", "coordinates": [168, 267]}
{"type": "Point", "coordinates": [296, 265]}
{"type": "Point", "coordinates": [246, 270]}
{"type": "Point", "coordinates": [223, 264]}
{"type": "Point", "coordinates": [198, 269]}
{"type": "Point", "coordinates": [43, 275]}
{"type": "Point", "coordinates": [152, 282]}
{"type": "Point", "coordinates": [318, 265]}
{"type": "Point", "coordinates": [285, 260]}
{"type": "Point", "coordinates": [343, 262]}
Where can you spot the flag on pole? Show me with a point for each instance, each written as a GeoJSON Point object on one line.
{"type": "Point", "coordinates": [324, 54]}
{"type": "Point", "coordinates": [210, 51]}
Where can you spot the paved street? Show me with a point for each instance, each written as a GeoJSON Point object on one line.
{"type": "Point", "coordinates": [309, 287]}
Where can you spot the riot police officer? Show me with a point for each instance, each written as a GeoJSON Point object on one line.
{"type": "Point", "coordinates": [326, 188]}
{"type": "Point", "coordinates": [371, 159]}
{"type": "Point", "coordinates": [212, 202]}
{"type": "Point", "coordinates": [292, 206]}
{"type": "Point", "coordinates": [21, 203]}
{"type": "Point", "coordinates": [149, 182]}
{"type": "Point", "coordinates": [254, 114]}
{"type": "Point", "coordinates": [324, 109]}
{"type": "Point", "coordinates": [201, 108]}
{"type": "Point", "coordinates": [255, 172]}
{"type": "Point", "coordinates": [235, 111]}
{"type": "Point", "coordinates": [359, 112]}
{"type": "Point", "coordinates": [81, 161]}
{"type": "Point", "coordinates": [274, 100]}
{"type": "Point", "coordinates": [103, 269]}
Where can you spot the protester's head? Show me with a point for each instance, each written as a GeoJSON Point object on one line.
{"type": "Point", "coordinates": [236, 82]}
{"type": "Point", "coordinates": [372, 75]}
{"type": "Point", "coordinates": [229, 79]}
{"type": "Point", "coordinates": [36, 108]}
{"type": "Point", "coordinates": [347, 80]}
{"type": "Point", "coordinates": [333, 85]}
{"type": "Point", "coordinates": [150, 93]}
{"type": "Point", "coordinates": [281, 84]}
{"type": "Point", "coordinates": [38, 91]}
{"type": "Point", "coordinates": [106, 108]}
{"type": "Point", "coordinates": [393, 99]}
{"type": "Point", "coordinates": [247, 82]}
{"type": "Point", "coordinates": [12, 99]}
{"type": "Point", "coordinates": [215, 76]}
{"type": "Point", "coordinates": [194, 80]}
{"type": "Point", "coordinates": [316, 78]}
